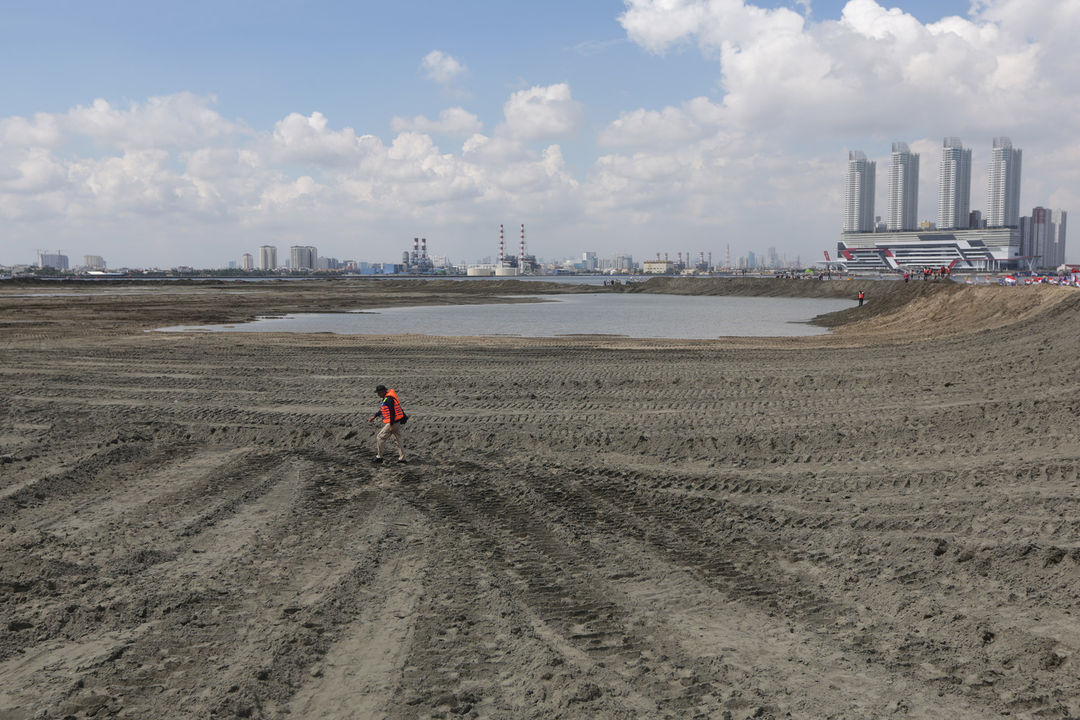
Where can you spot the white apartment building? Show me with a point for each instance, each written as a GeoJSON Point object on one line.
{"type": "Point", "coordinates": [903, 189]}
{"type": "Point", "coordinates": [859, 188]}
{"type": "Point", "coordinates": [954, 191]}
{"type": "Point", "coordinates": [1042, 238]}
{"type": "Point", "coordinates": [303, 257]}
{"type": "Point", "coordinates": [268, 257]}
{"type": "Point", "coordinates": [1003, 191]}
{"type": "Point", "coordinates": [56, 260]}
{"type": "Point", "coordinates": [93, 262]}
{"type": "Point", "coordinates": [247, 262]}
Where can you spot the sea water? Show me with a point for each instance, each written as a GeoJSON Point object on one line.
{"type": "Point", "coordinates": [634, 316]}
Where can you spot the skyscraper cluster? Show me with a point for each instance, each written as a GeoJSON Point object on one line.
{"type": "Point", "coordinates": [954, 188]}
{"type": "Point", "coordinates": [961, 237]}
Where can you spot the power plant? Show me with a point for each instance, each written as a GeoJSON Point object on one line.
{"type": "Point", "coordinates": [417, 261]}
{"type": "Point", "coordinates": [508, 265]}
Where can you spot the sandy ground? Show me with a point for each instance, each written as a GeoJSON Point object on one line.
{"type": "Point", "coordinates": [882, 522]}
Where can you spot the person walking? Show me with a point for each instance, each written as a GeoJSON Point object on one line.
{"type": "Point", "coordinates": [862, 296]}
{"type": "Point", "coordinates": [393, 417]}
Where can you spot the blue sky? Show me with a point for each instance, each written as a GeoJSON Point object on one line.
{"type": "Point", "coordinates": [188, 133]}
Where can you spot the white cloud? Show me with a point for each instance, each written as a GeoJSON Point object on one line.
{"type": "Point", "coordinates": [666, 128]}
{"type": "Point", "coordinates": [42, 131]}
{"type": "Point", "coordinates": [308, 139]}
{"type": "Point", "coordinates": [452, 121]}
{"type": "Point", "coordinates": [874, 68]}
{"type": "Point", "coordinates": [181, 120]}
{"type": "Point", "coordinates": [542, 112]}
{"type": "Point", "coordinates": [442, 68]}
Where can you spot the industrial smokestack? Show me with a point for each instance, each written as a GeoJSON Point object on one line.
{"type": "Point", "coordinates": [501, 244]}
{"type": "Point", "coordinates": [423, 248]}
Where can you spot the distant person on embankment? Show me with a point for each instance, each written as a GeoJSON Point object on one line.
{"type": "Point", "coordinates": [862, 296]}
{"type": "Point", "coordinates": [394, 418]}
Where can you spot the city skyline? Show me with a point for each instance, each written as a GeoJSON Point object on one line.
{"type": "Point", "coordinates": [613, 126]}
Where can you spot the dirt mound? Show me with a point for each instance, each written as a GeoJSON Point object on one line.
{"type": "Point", "coordinates": [954, 310]}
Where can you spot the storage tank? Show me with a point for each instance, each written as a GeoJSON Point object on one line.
{"type": "Point", "coordinates": [479, 271]}
{"type": "Point", "coordinates": [506, 271]}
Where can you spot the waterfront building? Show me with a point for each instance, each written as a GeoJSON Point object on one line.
{"type": "Point", "coordinates": [859, 188]}
{"type": "Point", "coordinates": [1043, 238]}
{"type": "Point", "coordinates": [1003, 191]}
{"type": "Point", "coordinates": [903, 189]}
{"type": "Point", "coordinates": [954, 190]}
{"type": "Point", "coordinates": [247, 262]}
{"type": "Point", "coordinates": [268, 257]}
{"type": "Point", "coordinates": [1060, 220]}
{"type": "Point", "coordinates": [621, 262]}
{"type": "Point", "coordinates": [967, 249]}
{"type": "Point", "coordinates": [56, 260]}
{"type": "Point", "coordinates": [303, 257]}
{"type": "Point", "coordinates": [658, 267]}
{"type": "Point", "coordinates": [93, 262]}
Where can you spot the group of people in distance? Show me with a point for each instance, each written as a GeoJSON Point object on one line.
{"type": "Point", "coordinates": [928, 273]}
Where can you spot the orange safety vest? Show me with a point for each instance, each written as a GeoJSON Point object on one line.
{"type": "Point", "coordinates": [398, 412]}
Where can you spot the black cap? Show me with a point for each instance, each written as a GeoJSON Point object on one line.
{"type": "Point", "coordinates": [380, 388]}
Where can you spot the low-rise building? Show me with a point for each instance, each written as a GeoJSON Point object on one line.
{"type": "Point", "coordinates": [658, 267]}
{"type": "Point", "coordinates": [971, 249]}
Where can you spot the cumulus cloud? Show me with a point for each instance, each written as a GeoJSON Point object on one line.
{"type": "Point", "coordinates": [452, 121]}
{"type": "Point", "coordinates": [181, 120]}
{"type": "Point", "coordinates": [874, 67]}
{"type": "Point", "coordinates": [666, 128]}
{"type": "Point", "coordinates": [542, 112]}
{"type": "Point", "coordinates": [300, 139]}
{"type": "Point", "coordinates": [41, 131]}
{"type": "Point", "coordinates": [442, 68]}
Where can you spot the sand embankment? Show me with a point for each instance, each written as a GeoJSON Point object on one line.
{"type": "Point", "coordinates": [878, 523]}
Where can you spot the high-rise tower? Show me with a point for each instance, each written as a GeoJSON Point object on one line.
{"type": "Point", "coordinates": [903, 188]}
{"type": "Point", "coordinates": [1003, 191]}
{"type": "Point", "coordinates": [859, 193]}
{"type": "Point", "coordinates": [267, 257]}
{"type": "Point", "coordinates": [954, 192]}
